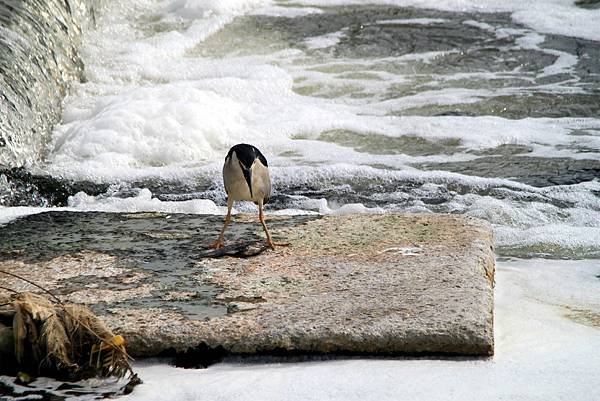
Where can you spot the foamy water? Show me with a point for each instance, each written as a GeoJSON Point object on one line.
{"type": "Point", "coordinates": [172, 85]}
{"type": "Point", "coordinates": [488, 109]}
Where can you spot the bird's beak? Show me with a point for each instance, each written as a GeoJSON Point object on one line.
{"type": "Point", "coordinates": [248, 176]}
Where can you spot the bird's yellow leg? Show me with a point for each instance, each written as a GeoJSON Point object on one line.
{"type": "Point", "coordinates": [261, 217]}
{"type": "Point", "coordinates": [219, 242]}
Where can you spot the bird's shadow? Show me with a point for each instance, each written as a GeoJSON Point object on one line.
{"type": "Point", "coordinates": [239, 249]}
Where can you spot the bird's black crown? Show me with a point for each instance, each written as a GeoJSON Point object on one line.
{"type": "Point", "coordinates": [246, 154]}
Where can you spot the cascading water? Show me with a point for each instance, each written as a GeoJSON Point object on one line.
{"type": "Point", "coordinates": [39, 58]}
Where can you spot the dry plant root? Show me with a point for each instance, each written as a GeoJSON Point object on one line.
{"type": "Point", "coordinates": [65, 341]}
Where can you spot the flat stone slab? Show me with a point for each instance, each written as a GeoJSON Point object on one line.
{"type": "Point", "coordinates": [360, 284]}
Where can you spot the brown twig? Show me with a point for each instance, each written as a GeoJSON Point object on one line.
{"type": "Point", "coordinates": [35, 285]}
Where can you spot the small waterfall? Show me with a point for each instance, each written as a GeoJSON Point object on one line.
{"type": "Point", "coordinates": [39, 40]}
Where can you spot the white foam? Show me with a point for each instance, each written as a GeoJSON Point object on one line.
{"type": "Point", "coordinates": [325, 207]}
{"type": "Point", "coordinates": [150, 111]}
{"type": "Point", "coordinates": [539, 353]}
{"type": "Point", "coordinates": [540, 227]}
{"type": "Point", "coordinates": [198, 10]}
{"type": "Point", "coordinates": [581, 195]}
{"type": "Point", "coordinates": [481, 25]}
{"type": "Point", "coordinates": [485, 131]}
{"type": "Point", "coordinates": [147, 127]}
{"type": "Point", "coordinates": [293, 212]}
{"type": "Point", "coordinates": [565, 62]}
{"type": "Point", "coordinates": [286, 11]}
{"type": "Point", "coordinates": [124, 51]}
{"type": "Point", "coordinates": [158, 130]}
{"type": "Point", "coordinates": [446, 96]}
{"type": "Point", "coordinates": [558, 17]}
{"type": "Point", "coordinates": [8, 214]}
{"type": "Point", "coordinates": [550, 240]}
{"type": "Point", "coordinates": [323, 41]}
{"type": "Point", "coordinates": [142, 202]}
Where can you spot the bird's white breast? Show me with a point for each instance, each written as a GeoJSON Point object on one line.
{"type": "Point", "coordinates": [261, 182]}
{"type": "Point", "coordinates": [236, 185]}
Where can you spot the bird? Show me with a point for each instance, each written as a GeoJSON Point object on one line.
{"type": "Point", "coordinates": [246, 178]}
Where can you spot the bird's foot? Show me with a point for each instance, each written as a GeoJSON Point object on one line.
{"type": "Point", "coordinates": [216, 245]}
{"type": "Point", "coordinates": [272, 244]}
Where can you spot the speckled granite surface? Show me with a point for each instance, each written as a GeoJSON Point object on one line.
{"type": "Point", "coordinates": [376, 284]}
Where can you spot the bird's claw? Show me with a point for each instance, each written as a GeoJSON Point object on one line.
{"type": "Point", "coordinates": [272, 244]}
{"type": "Point", "coordinates": [216, 245]}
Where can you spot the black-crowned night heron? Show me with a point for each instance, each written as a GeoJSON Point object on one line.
{"type": "Point", "coordinates": [246, 178]}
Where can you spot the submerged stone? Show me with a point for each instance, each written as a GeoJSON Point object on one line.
{"type": "Point", "coordinates": [354, 284]}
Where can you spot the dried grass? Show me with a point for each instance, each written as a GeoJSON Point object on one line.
{"type": "Point", "coordinates": [63, 340]}
{"type": "Point", "coordinates": [57, 344]}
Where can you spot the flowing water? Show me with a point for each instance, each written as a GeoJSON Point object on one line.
{"type": "Point", "coordinates": [38, 60]}
{"type": "Point", "coordinates": [470, 107]}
